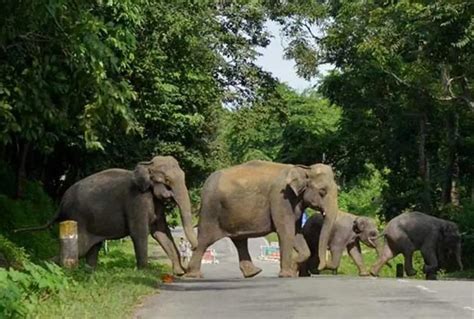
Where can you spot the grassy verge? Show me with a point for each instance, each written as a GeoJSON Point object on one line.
{"type": "Point", "coordinates": [112, 291]}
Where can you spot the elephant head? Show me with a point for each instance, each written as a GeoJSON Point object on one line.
{"type": "Point", "coordinates": [450, 243]}
{"type": "Point", "coordinates": [318, 190]}
{"type": "Point", "coordinates": [167, 180]}
{"type": "Point", "coordinates": [367, 232]}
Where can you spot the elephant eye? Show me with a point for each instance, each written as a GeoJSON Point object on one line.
{"type": "Point", "coordinates": [322, 192]}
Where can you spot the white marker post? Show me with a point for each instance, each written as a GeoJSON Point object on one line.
{"type": "Point", "coordinates": [69, 254]}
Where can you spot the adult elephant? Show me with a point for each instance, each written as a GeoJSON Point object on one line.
{"type": "Point", "coordinates": [348, 232]}
{"type": "Point", "coordinates": [258, 197]}
{"type": "Point", "coordinates": [115, 203]}
{"type": "Point", "coordinates": [436, 238]}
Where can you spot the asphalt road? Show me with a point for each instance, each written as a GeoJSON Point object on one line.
{"type": "Point", "coordinates": [225, 294]}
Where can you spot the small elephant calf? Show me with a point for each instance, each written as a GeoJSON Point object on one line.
{"type": "Point", "coordinates": [349, 230]}
{"type": "Point", "coordinates": [436, 238]}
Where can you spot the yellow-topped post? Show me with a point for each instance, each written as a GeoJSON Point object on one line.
{"type": "Point", "coordinates": [69, 248]}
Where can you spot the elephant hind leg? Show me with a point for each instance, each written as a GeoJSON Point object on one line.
{"type": "Point", "coordinates": [431, 261]}
{"type": "Point", "coordinates": [407, 250]}
{"type": "Point", "coordinates": [93, 254]}
{"type": "Point", "coordinates": [207, 235]}
{"type": "Point", "coordinates": [246, 265]}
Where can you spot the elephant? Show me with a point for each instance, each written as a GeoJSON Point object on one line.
{"type": "Point", "coordinates": [436, 238]}
{"type": "Point", "coordinates": [258, 197]}
{"type": "Point", "coordinates": [115, 203]}
{"type": "Point", "coordinates": [349, 230]}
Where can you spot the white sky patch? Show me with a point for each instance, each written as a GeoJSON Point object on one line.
{"type": "Point", "coordinates": [272, 61]}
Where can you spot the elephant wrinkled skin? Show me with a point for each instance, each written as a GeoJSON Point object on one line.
{"type": "Point", "coordinates": [115, 203]}
{"type": "Point", "coordinates": [258, 197]}
{"type": "Point", "coordinates": [349, 230]}
{"type": "Point", "coordinates": [436, 238]}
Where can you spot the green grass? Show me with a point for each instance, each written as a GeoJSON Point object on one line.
{"type": "Point", "coordinates": [112, 291]}
{"type": "Point", "coordinates": [272, 237]}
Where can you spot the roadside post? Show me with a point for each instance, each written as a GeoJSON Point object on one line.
{"type": "Point", "coordinates": [69, 254]}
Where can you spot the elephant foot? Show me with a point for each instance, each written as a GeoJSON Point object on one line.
{"type": "Point", "coordinates": [192, 275]}
{"type": "Point", "coordinates": [364, 273]}
{"type": "Point", "coordinates": [322, 265]}
{"type": "Point", "coordinates": [374, 273]}
{"type": "Point", "coordinates": [431, 276]}
{"type": "Point", "coordinates": [178, 271]}
{"type": "Point", "coordinates": [248, 269]}
{"type": "Point", "coordinates": [430, 269]}
{"type": "Point", "coordinates": [286, 274]}
{"type": "Point", "coordinates": [410, 272]}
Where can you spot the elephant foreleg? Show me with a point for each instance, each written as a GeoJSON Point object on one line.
{"type": "Point", "coordinates": [354, 251]}
{"type": "Point", "coordinates": [161, 233]}
{"type": "Point", "coordinates": [336, 254]}
{"type": "Point", "coordinates": [246, 265]}
{"type": "Point", "coordinates": [431, 261]}
{"type": "Point", "coordinates": [285, 228]}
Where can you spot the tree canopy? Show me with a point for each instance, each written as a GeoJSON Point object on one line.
{"type": "Point", "coordinates": [90, 85]}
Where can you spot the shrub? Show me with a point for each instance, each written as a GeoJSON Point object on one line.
{"type": "Point", "coordinates": [35, 208]}
{"type": "Point", "coordinates": [21, 291]}
{"type": "Point", "coordinates": [12, 255]}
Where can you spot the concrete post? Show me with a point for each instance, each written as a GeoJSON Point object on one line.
{"type": "Point", "coordinates": [69, 247]}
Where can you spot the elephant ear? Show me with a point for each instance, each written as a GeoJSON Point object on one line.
{"type": "Point", "coordinates": [141, 177]}
{"type": "Point", "coordinates": [297, 179]}
{"type": "Point", "coordinates": [449, 232]}
{"type": "Point", "coordinates": [359, 225]}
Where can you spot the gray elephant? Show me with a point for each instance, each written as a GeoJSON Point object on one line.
{"type": "Point", "coordinates": [348, 232]}
{"type": "Point", "coordinates": [436, 238]}
{"type": "Point", "coordinates": [116, 203]}
{"type": "Point", "coordinates": [258, 197]}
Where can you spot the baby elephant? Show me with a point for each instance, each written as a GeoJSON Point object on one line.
{"type": "Point", "coordinates": [349, 230]}
{"type": "Point", "coordinates": [434, 237]}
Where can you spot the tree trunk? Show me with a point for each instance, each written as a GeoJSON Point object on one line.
{"type": "Point", "coordinates": [21, 171]}
{"type": "Point", "coordinates": [423, 164]}
{"type": "Point", "coordinates": [451, 183]}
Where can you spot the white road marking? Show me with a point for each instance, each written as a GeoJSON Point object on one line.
{"type": "Point", "coordinates": [468, 308]}
{"type": "Point", "coordinates": [402, 280]}
{"type": "Point", "coordinates": [425, 289]}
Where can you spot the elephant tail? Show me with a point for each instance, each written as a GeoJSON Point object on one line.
{"type": "Point", "coordinates": [36, 228]}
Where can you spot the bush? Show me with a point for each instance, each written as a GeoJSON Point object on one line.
{"type": "Point", "coordinates": [21, 291]}
{"type": "Point", "coordinates": [35, 208]}
{"type": "Point", "coordinates": [363, 196]}
{"type": "Point", "coordinates": [11, 255]}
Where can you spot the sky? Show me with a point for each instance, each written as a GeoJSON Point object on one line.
{"type": "Point", "coordinates": [272, 61]}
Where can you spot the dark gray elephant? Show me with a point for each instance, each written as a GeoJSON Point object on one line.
{"type": "Point", "coordinates": [116, 203]}
{"type": "Point", "coordinates": [258, 197]}
{"type": "Point", "coordinates": [348, 232]}
{"type": "Point", "coordinates": [436, 238]}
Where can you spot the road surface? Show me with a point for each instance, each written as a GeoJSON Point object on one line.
{"type": "Point", "coordinates": [225, 294]}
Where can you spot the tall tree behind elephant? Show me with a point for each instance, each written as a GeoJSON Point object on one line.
{"type": "Point", "coordinates": [116, 203]}
{"type": "Point", "coordinates": [258, 197]}
{"type": "Point", "coordinates": [436, 238]}
{"type": "Point", "coordinates": [348, 232]}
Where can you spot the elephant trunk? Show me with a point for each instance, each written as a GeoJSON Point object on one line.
{"type": "Point", "coordinates": [331, 211]}
{"type": "Point", "coordinates": [181, 197]}
{"type": "Point", "coordinates": [458, 256]}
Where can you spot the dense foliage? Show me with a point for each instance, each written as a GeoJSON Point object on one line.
{"type": "Point", "coordinates": [95, 84]}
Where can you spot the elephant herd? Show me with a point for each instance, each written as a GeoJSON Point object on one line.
{"type": "Point", "coordinates": [244, 201]}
